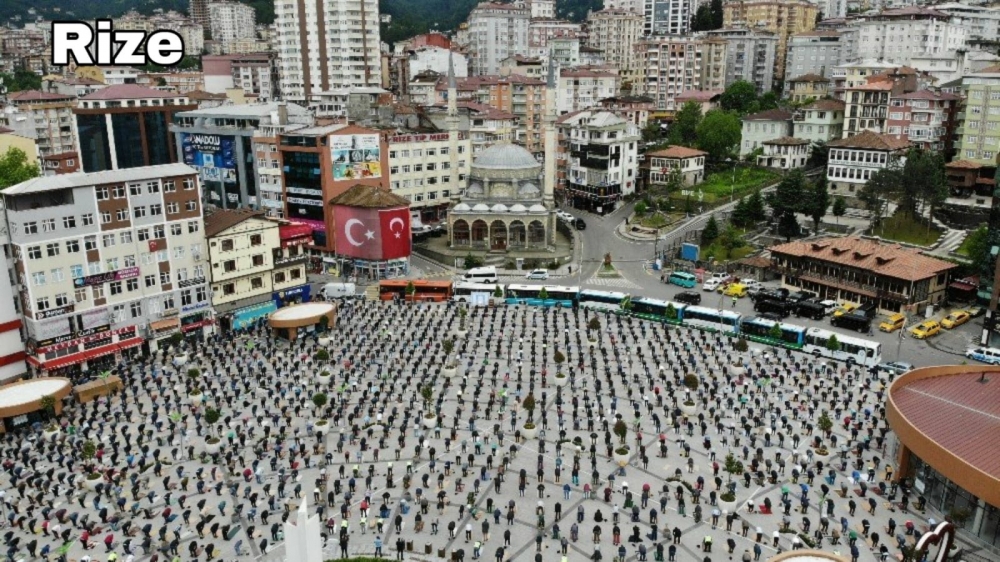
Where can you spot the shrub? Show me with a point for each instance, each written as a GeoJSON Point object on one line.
{"type": "Point", "coordinates": [594, 324]}
{"type": "Point", "coordinates": [543, 294]}
{"type": "Point", "coordinates": [691, 381]}
{"type": "Point", "coordinates": [733, 466]}
{"type": "Point", "coordinates": [670, 313]}
{"type": "Point", "coordinates": [529, 403]}
{"type": "Point", "coordinates": [622, 451]}
{"type": "Point", "coordinates": [48, 403]}
{"type": "Point", "coordinates": [728, 497]}
{"type": "Point", "coordinates": [89, 450]}
{"type": "Point", "coordinates": [824, 423]}
{"type": "Point", "coordinates": [621, 429]}
{"type": "Point", "coordinates": [193, 373]}
{"type": "Point", "coordinates": [741, 345]}
{"type": "Point", "coordinates": [322, 355]}
{"type": "Point", "coordinates": [319, 399]}
{"type": "Point", "coordinates": [833, 344]}
{"type": "Point", "coordinates": [558, 357]}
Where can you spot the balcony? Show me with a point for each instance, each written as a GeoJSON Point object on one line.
{"type": "Point", "coordinates": [837, 282]}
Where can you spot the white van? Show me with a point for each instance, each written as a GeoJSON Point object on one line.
{"type": "Point", "coordinates": [332, 291]}
{"type": "Point", "coordinates": [481, 275]}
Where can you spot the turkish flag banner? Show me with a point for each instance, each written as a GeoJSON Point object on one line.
{"type": "Point", "coordinates": [395, 232]}
{"type": "Point", "coordinates": [358, 232]}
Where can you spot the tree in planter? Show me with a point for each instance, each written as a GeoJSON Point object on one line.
{"type": "Point", "coordinates": [621, 430]}
{"type": "Point", "coordinates": [529, 406]}
{"type": "Point", "coordinates": [324, 323]}
{"type": "Point", "coordinates": [48, 404]}
{"type": "Point", "coordinates": [447, 346]}
{"type": "Point", "coordinates": [88, 451]}
{"type": "Point", "coordinates": [741, 345]}
{"type": "Point", "coordinates": [320, 399]}
{"type": "Point", "coordinates": [607, 261]}
{"type": "Point", "coordinates": [212, 416]}
{"type": "Point", "coordinates": [691, 382]}
{"type": "Point", "coordinates": [775, 332]}
{"type": "Point", "coordinates": [559, 358]}
{"type": "Point", "coordinates": [462, 313]}
{"type": "Point", "coordinates": [411, 289]}
{"type": "Point", "coordinates": [594, 325]}
{"type": "Point", "coordinates": [833, 344]}
{"type": "Point", "coordinates": [733, 467]}
{"type": "Point", "coordinates": [670, 313]}
{"type": "Point", "coordinates": [427, 393]}
{"type": "Point", "coordinates": [824, 423]}
{"type": "Point", "coordinates": [626, 304]}
{"type": "Point", "coordinates": [322, 355]}
{"type": "Point", "coordinates": [175, 339]}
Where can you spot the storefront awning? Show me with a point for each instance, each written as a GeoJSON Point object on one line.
{"type": "Point", "coordinates": [79, 357]}
{"type": "Point", "coordinates": [965, 284]}
{"type": "Point", "coordinates": [130, 343]}
{"type": "Point", "coordinates": [167, 324]}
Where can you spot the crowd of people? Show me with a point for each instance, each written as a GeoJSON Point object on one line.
{"type": "Point", "coordinates": [423, 430]}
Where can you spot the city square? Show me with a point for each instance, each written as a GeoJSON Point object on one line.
{"type": "Point", "coordinates": [405, 431]}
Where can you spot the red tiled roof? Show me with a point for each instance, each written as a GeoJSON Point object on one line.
{"type": "Point", "coordinates": [928, 95]}
{"type": "Point", "coordinates": [128, 92]}
{"type": "Point", "coordinates": [870, 140]}
{"type": "Point", "coordinates": [35, 95]}
{"type": "Point", "coordinates": [5, 130]}
{"type": "Point", "coordinates": [698, 95]}
{"type": "Point", "coordinates": [675, 151]}
{"type": "Point", "coordinates": [827, 105]}
{"type": "Point", "coordinates": [891, 260]}
{"type": "Point", "coordinates": [220, 220]}
{"type": "Point", "coordinates": [810, 78]}
{"type": "Point", "coordinates": [770, 115]}
{"type": "Point", "coordinates": [958, 413]}
{"type": "Point", "coordinates": [967, 164]}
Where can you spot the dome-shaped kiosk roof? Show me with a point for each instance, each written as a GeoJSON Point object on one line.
{"type": "Point", "coordinates": [461, 207]}
{"type": "Point", "coordinates": [506, 156]}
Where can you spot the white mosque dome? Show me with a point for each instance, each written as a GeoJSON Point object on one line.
{"type": "Point", "coordinates": [481, 208]}
{"type": "Point", "coordinates": [518, 208]}
{"type": "Point", "coordinates": [505, 156]}
{"type": "Point", "coordinates": [461, 208]}
{"type": "Point", "coordinates": [537, 208]}
{"type": "Point", "coordinates": [499, 208]}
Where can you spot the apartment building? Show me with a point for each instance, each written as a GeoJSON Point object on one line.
{"type": "Point", "coordinates": [420, 170]}
{"type": "Point", "coordinates": [484, 125]}
{"type": "Point", "coordinates": [784, 18]}
{"type": "Point", "coordinates": [819, 122]}
{"type": "Point", "coordinates": [43, 117]}
{"type": "Point", "coordinates": [978, 136]}
{"type": "Point", "coordinates": [897, 35]}
{"type": "Point", "coordinates": [853, 160]}
{"type": "Point", "coordinates": [543, 30]}
{"type": "Point", "coordinates": [580, 88]}
{"type": "Point", "coordinates": [658, 165]}
{"type": "Point", "coordinates": [669, 66]}
{"type": "Point", "coordinates": [12, 350]}
{"type": "Point", "coordinates": [231, 21]}
{"type": "Point", "coordinates": [596, 159]}
{"type": "Point", "coordinates": [497, 31]}
{"type": "Point", "coordinates": [615, 33]}
{"type": "Point", "coordinates": [764, 126]}
{"type": "Point", "coordinates": [926, 118]}
{"type": "Point", "coordinates": [522, 96]}
{"type": "Point", "coordinates": [127, 126]}
{"type": "Point", "coordinates": [668, 17]}
{"type": "Point", "coordinates": [807, 87]}
{"type": "Point", "coordinates": [326, 45]}
{"type": "Point", "coordinates": [749, 55]}
{"type": "Point", "coordinates": [191, 31]}
{"type": "Point", "coordinates": [179, 82]}
{"type": "Point", "coordinates": [813, 53]}
{"type": "Point", "coordinates": [982, 22]}
{"type": "Point", "coordinates": [868, 103]}
{"type": "Point", "coordinates": [107, 262]}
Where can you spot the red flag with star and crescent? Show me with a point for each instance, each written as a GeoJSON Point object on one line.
{"type": "Point", "coordinates": [395, 232]}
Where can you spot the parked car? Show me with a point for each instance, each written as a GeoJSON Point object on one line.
{"type": "Point", "coordinates": [779, 294]}
{"type": "Point", "coordinates": [773, 316]}
{"type": "Point", "coordinates": [893, 323]}
{"type": "Point", "coordinates": [688, 297]}
{"type": "Point", "coordinates": [737, 290]}
{"type": "Point", "coordinates": [925, 329]}
{"type": "Point", "coordinates": [538, 274]}
{"type": "Point", "coordinates": [580, 224]}
{"type": "Point", "coordinates": [852, 321]}
{"type": "Point", "coordinates": [711, 284]}
{"type": "Point", "coordinates": [565, 216]}
{"type": "Point", "coordinates": [751, 284]}
{"type": "Point", "coordinates": [810, 309]}
{"type": "Point", "coordinates": [895, 367]}
{"type": "Point", "coordinates": [846, 308]}
{"type": "Point", "coordinates": [989, 355]}
{"type": "Point", "coordinates": [956, 319]}
{"type": "Point", "coordinates": [799, 296]}
{"type": "Point", "coordinates": [829, 305]}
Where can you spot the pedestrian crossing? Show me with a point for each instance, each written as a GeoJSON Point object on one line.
{"type": "Point", "coordinates": [617, 282]}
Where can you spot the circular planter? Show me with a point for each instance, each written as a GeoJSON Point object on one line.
{"type": "Point", "coordinates": [321, 427]}
{"type": "Point", "coordinates": [324, 380]}
{"type": "Point", "coordinates": [737, 370]}
{"type": "Point", "coordinates": [92, 483]}
{"type": "Point", "coordinates": [180, 360]}
{"type": "Point", "coordinates": [562, 380]}
{"type": "Point", "coordinates": [689, 410]}
{"type": "Point", "coordinates": [430, 422]}
{"type": "Point", "coordinates": [461, 333]}
{"type": "Point", "coordinates": [50, 435]}
{"type": "Point", "coordinates": [323, 341]}
{"type": "Point", "coordinates": [622, 459]}
{"type": "Point", "coordinates": [213, 448]}
{"type": "Point", "coordinates": [196, 398]}
{"type": "Point", "coordinates": [529, 433]}
{"type": "Point", "coordinates": [449, 372]}
{"type": "Point", "coordinates": [729, 507]}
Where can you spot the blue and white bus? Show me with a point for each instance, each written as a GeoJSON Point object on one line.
{"type": "Point", "coordinates": [712, 319]}
{"type": "Point", "coordinates": [852, 350]}
{"type": "Point", "coordinates": [531, 295]}
{"type": "Point", "coordinates": [657, 310]}
{"type": "Point", "coordinates": [601, 300]}
{"type": "Point", "coordinates": [682, 279]}
{"type": "Point", "coordinates": [462, 292]}
{"type": "Point", "coordinates": [791, 335]}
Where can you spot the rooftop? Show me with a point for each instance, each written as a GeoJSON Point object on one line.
{"type": "Point", "coordinates": [675, 151]}
{"type": "Point", "coordinates": [243, 111]}
{"type": "Point", "coordinates": [698, 95]}
{"type": "Point", "coordinates": [929, 95]}
{"type": "Point", "coordinates": [967, 164]}
{"type": "Point", "coordinates": [222, 219]}
{"type": "Point", "coordinates": [870, 140]}
{"type": "Point", "coordinates": [770, 115]}
{"type": "Point", "coordinates": [827, 105]}
{"type": "Point", "coordinates": [811, 77]}
{"type": "Point", "coordinates": [786, 141]}
{"type": "Point", "coordinates": [128, 92]}
{"type": "Point", "coordinates": [25, 96]}
{"type": "Point", "coordinates": [891, 260]}
{"type": "Point", "coordinates": [81, 179]}
{"type": "Point", "coordinates": [369, 197]}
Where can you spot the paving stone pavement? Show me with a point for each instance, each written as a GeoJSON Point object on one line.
{"type": "Point", "coordinates": [754, 405]}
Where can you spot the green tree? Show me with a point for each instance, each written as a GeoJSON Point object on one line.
{"type": "Point", "coordinates": [740, 97]}
{"type": "Point", "coordinates": [819, 154]}
{"type": "Point", "coordinates": [675, 182]}
{"type": "Point", "coordinates": [731, 238]}
{"type": "Point", "coordinates": [775, 332]}
{"type": "Point", "coordinates": [719, 134]}
{"type": "Point", "coordinates": [978, 247]}
{"type": "Point", "coordinates": [15, 168]}
{"type": "Point", "coordinates": [21, 80]}
{"type": "Point", "coordinates": [767, 101]}
{"type": "Point", "coordinates": [670, 313]}
{"type": "Point", "coordinates": [411, 289]}
{"type": "Point", "coordinates": [88, 450]}
{"type": "Point", "coordinates": [711, 231]}
{"type": "Point", "coordinates": [621, 429]}
{"type": "Point", "coordinates": [785, 201]}
{"type": "Point", "coordinates": [741, 214]}
{"type": "Point", "coordinates": [498, 292]}
{"type": "Point", "coordinates": [839, 207]}
{"type": "Point", "coordinates": [702, 20]}
{"type": "Point", "coordinates": [626, 303]}
{"type": "Point", "coordinates": [874, 195]}
{"type": "Point", "coordinates": [543, 294]}
{"type": "Point", "coordinates": [832, 343]}
{"type": "Point", "coordinates": [472, 261]}
{"type": "Point", "coordinates": [212, 416]}
{"type": "Point", "coordinates": [320, 399]}
{"type": "Point", "coordinates": [641, 207]}
{"type": "Point", "coordinates": [732, 466]}
{"type": "Point", "coordinates": [717, 14]}
{"type": "Point", "coordinates": [48, 403]}
{"type": "Point", "coordinates": [817, 201]}
{"type": "Point", "coordinates": [529, 406]}
{"type": "Point", "coordinates": [651, 132]}
{"type": "Point", "coordinates": [594, 324]}
{"type": "Point", "coordinates": [824, 423]}
{"type": "Point", "coordinates": [684, 129]}
{"type": "Point", "coordinates": [756, 211]}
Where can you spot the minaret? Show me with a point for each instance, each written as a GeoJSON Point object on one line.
{"type": "Point", "coordinates": [452, 123]}
{"type": "Point", "coordinates": [549, 136]}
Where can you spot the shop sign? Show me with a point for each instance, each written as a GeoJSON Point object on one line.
{"type": "Point", "coordinates": [291, 260]}
{"type": "Point", "coordinates": [191, 307]}
{"type": "Point", "coordinates": [72, 336]}
{"type": "Point", "coordinates": [53, 312]}
{"type": "Point", "coordinates": [301, 292]}
{"type": "Point", "coordinates": [100, 278]}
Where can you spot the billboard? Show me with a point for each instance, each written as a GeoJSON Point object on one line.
{"type": "Point", "coordinates": [356, 157]}
{"type": "Point", "coordinates": [213, 155]}
{"type": "Point", "coordinates": [372, 234]}
{"type": "Point", "coordinates": [121, 274]}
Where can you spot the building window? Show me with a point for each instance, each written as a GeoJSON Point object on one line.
{"type": "Point", "coordinates": [159, 232]}
{"type": "Point", "coordinates": [135, 189]}
{"type": "Point", "coordinates": [193, 226]}
{"type": "Point", "coordinates": [295, 273]}
{"type": "Point", "coordinates": [229, 266]}
{"type": "Point", "coordinates": [121, 215]}
{"type": "Point", "coordinates": [150, 280]}
{"type": "Point", "coordinates": [52, 249]}
{"type": "Point", "coordinates": [31, 227]}
{"type": "Point", "coordinates": [75, 270]}
{"type": "Point", "coordinates": [69, 222]}
{"type": "Point", "coordinates": [258, 260]}
{"type": "Point", "coordinates": [38, 278]}
{"type": "Point", "coordinates": [152, 187]}
{"type": "Point", "coordinates": [279, 277]}
{"type": "Point", "coordinates": [256, 283]}
{"type": "Point", "coordinates": [188, 184]}
{"type": "Point", "coordinates": [191, 205]}
{"type": "Point", "coordinates": [136, 309]}
{"type": "Point", "coordinates": [88, 219]}
{"type": "Point", "coordinates": [227, 245]}
{"type": "Point", "coordinates": [228, 289]}
{"type": "Point", "coordinates": [80, 294]}
{"type": "Point", "coordinates": [155, 210]}
{"type": "Point", "coordinates": [108, 240]}
{"type": "Point", "coordinates": [175, 229]}
{"type": "Point", "coordinates": [165, 278]}
{"type": "Point", "coordinates": [255, 240]}
{"type": "Point", "coordinates": [116, 287]}
{"type": "Point", "coordinates": [201, 293]}
{"type": "Point", "coordinates": [62, 299]}
{"type": "Point", "coordinates": [119, 191]}
{"type": "Point", "coordinates": [186, 297]}
{"type": "Point", "coordinates": [169, 186]}
{"type": "Point", "coordinates": [139, 212]}
{"type": "Point", "coordinates": [179, 252]}
{"type": "Point", "coordinates": [102, 193]}
{"type": "Point", "coordinates": [132, 284]}
{"type": "Point", "coordinates": [57, 275]}
{"type": "Point", "coordinates": [97, 292]}
{"type": "Point", "coordinates": [173, 208]}
{"type": "Point", "coordinates": [42, 304]}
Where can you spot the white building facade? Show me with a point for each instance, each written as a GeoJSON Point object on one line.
{"type": "Point", "coordinates": [420, 170]}
{"type": "Point", "coordinates": [232, 21]}
{"type": "Point", "coordinates": [497, 31]}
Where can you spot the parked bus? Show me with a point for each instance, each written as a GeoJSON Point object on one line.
{"type": "Point", "coordinates": [463, 291]}
{"type": "Point", "coordinates": [712, 318]}
{"type": "Point", "coordinates": [792, 336]}
{"type": "Point", "coordinates": [655, 309]}
{"type": "Point", "coordinates": [436, 291]}
{"type": "Point", "coordinates": [682, 279]}
{"type": "Point", "coordinates": [853, 350]}
{"type": "Point", "coordinates": [531, 295]}
{"type": "Point", "coordinates": [601, 300]}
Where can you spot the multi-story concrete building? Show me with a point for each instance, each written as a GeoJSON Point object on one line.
{"type": "Point", "coordinates": [231, 21]}
{"type": "Point", "coordinates": [615, 33]}
{"type": "Point", "coordinates": [858, 72]}
{"type": "Point", "coordinates": [581, 88]}
{"type": "Point", "coordinates": [784, 18]}
{"type": "Point", "coordinates": [807, 87]}
{"type": "Point", "coordinates": [43, 117]}
{"type": "Point", "coordinates": [658, 165]}
{"type": "Point", "coordinates": [107, 262]}
{"type": "Point", "coordinates": [70, 85]}
{"type": "Point", "coordinates": [9, 139]}
{"type": "Point", "coordinates": [218, 143]}
{"type": "Point", "coordinates": [925, 118]}
{"type": "Point", "coordinates": [327, 45]}
{"type": "Point", "coordinates": [484, 125]}
{"type": "Point", "coordinates": [525, 66]}
{"type": "Point", "coordinates": [191, 31]}
{"type": "Point", "coordinates": [198, 10]}
{"type": "Point", "coordinates": [812, 53]}
{"type": "Point", "coordinates": [634, 109]}
{"type": "Point", "coordinates": [764, 126]}
{"type": "Point", "coordinates": [667, 17]}
{"type": "Point", "coordinates": [127, 126]}
{"type": "Point", "coordinates": [897, 35]}
{"type": "Point", "coordinates": [542, 9]}
{"type": "Point", "coordinates": [497, 31]}
{"type": "Point", "coordinates": [420, 170]}
{"type": "Point", "coordinates": [668, 66]}
{"type": "Point", "coordinates": [784, 153]}
{"type": "Point", "coordinates": [749, 56]}
{"type": "Point", "coordinates": [177, 82]}
{"type": "Point", "coordinates": [542, 31]}
{"type": "Point", "coordinates": [819, 122]}
{"type": "Point", "coordinates": [256, 74]}
{"type": "Point", "coordinates": [978, 135]}
{"type": "Point", "coordinates": [868, 103]}
{"type": "Point", "coordinates": [981, 22]}
{"type": "Point", "coordinates": [596, 160]}
{"type": "Point", "coordinates": [853, 160]}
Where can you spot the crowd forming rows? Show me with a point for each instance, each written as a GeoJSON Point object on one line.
{"type": "Point", "coordinates": [417, 441]}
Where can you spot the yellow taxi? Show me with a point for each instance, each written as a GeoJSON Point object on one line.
{"type": "Point", "coordinates": [893, 323]}
{"type": "Point", "coordinates": [846, 308]}
{"type": "Point", "coordinates": [955, 319]}
{"type": "Point", "coordinates": [735, 290]}
{"type": "Point", "coordinates": [925, 329]}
